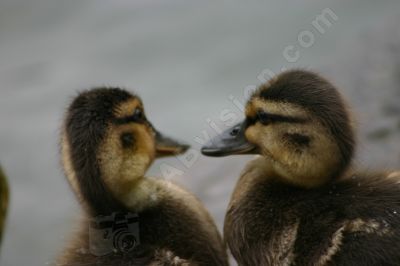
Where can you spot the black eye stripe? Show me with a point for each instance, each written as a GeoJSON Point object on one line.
{"type": "Point", "coordinates": [268, 118]}
{"type": "Point", "coordinates": [126, 120]}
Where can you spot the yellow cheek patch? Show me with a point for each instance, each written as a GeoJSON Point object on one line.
{"type": "Point", "coordinates": [127, 108]}
{"type": "Point", "coordinates": [251, 134]}
{"type": "Point", "coordinates": [122, 167]}
{"type": "Point", "coordinates": [143, 139]}
{"type": "Point", "coordinates": [145, 143]}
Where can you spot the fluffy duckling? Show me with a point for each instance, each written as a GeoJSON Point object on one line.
{"type": "Point", "coordinates": [4, 195]}
{"type": "Point", "coordinates": [299, 203]}
{"type": "Point", "coordinates": [107, 146]}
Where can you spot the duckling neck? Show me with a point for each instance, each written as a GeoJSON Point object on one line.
{"type": "Point", "coordinates": [97, 197]}
{"type": "Point", "coordinates": [263, 168]}
{"type": "Point", "coordinates": [105, 198]}
{"type": "Point", "coordinates": [123, 196]}
{"type": "Point", "coordinates": [303, 179]}
{"type": "Point", "coordinates": [141, 194]}
{"type": "Point", "coordinates": [84, 176]}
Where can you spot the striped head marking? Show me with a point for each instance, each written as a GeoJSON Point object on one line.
{"type": "Point", "coordinates": [299, 122]}
{"type": "Point", "coordinates": [108, 144]}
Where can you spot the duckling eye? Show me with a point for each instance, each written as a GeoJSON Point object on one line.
{"type": "Point", "coordinates": [127, 140]}
{"type": "Point", "coordinates": [138, 114]}
{"type": "Point", "coordinates": [235, 131]}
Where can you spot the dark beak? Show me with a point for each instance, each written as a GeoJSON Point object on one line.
{"type": "Point", "coordinates": [232, 141]}
{"type": "Point", "coordinates": [166, 146]}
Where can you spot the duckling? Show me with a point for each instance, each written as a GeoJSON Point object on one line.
{"type": "Point", "coordinates": [4, 196]}
{"type": "Point", "coordinates": [300, 202]}
{"type": "Point", "coordinates": [107, 145]}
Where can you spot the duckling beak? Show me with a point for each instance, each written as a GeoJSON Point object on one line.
{"type": "Point", "coordinates": [166, 146]}
{"type": "Point", "coordinates": [230, 142]}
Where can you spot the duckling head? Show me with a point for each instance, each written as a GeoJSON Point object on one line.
{"type": "Point", "coordinates": [108, 144]}
{"type": "Point", "coordinates": [299, 123]}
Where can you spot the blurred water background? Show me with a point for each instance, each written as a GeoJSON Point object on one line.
{"type": "Point", "coordinates": [187, 60]}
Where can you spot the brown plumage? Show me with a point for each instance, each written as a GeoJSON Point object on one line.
{"type": "Point", "coordinates": [300, 202]}
{"type": "Point", "coordinates": [107, 146]}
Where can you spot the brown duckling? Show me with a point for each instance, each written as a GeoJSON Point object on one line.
{"type": "Point", "coordinates": [107, 146]}
{"type": "Point", "coordinates": [300, 202]}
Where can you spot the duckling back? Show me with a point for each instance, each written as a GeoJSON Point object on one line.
{"type": "Point", "coordinates": [354, 221]}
